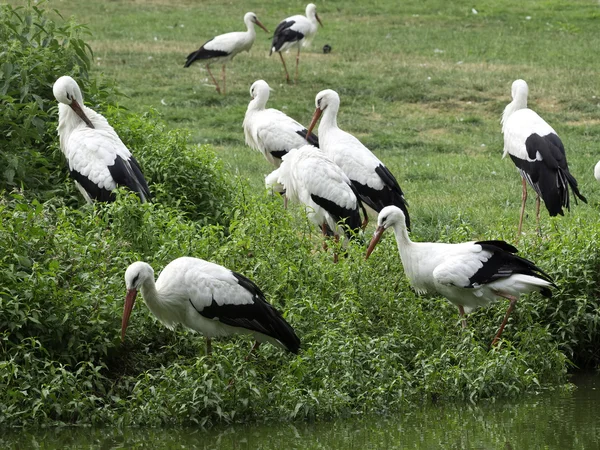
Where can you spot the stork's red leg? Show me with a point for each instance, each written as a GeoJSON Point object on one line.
{"type": "Point", "coordinates": [224, 88]}
{"type": "Point", "coordinates": [253, 350]}
{"type": "Point", "coordinates": [287, 75]}
{"type": "Point", "coordinates": [336, 238]}
{"type": "Point", "coordinates": [208, 347]}
{"type": "Point", "coordinates": [537, 214]}
{"type": "Point", "coordinates": [297, 62]}
{"type": "Point", "coordinates": [522, 206]}
{"type": "Point", "coordinates": [461, 313]}
{"type": "Point", "coordinates": [213, 78]}
{"type": "Point", "coordinates": [324, 231]}
{"type": "Point", "coordinates": [513, 302]}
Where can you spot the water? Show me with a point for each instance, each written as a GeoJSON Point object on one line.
{"type": "Point", "coordinates": [557, 421]}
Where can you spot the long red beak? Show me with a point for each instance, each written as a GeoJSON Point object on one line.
{"type": "Point", "coordinates": [318, 19]}
{"type": "Point", "coordinates": [376, 237]}
{"type": "Point", "coordinates": [261, 25]}
{"type": "Point", "coordinates": [77, 108]}
{"type": "Point", "coordinates": [129, 302]}
{"type": "Point", "coordinates": [315, 118]}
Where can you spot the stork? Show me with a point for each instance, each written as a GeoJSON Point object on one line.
{"type": "Point", "coordinates": [98, 160]}
{"type": "Point", "coordinates": [539, 155]}
{"type": "Point", "coordinates": [295, 31]}
{"type": "Point", "coordinates": [469, 275]}
{"type": "Point", "coordinates": [223, 48]}
{"type": "Point", "coordinates": [270, 131]}
{"type": "Point", "coordinates": [311, 178]}
{"type": "Point", "coordinates": [597, 171]}
{"type": "Point", "coordinates": [375, 184]}
{"type": "Point", "coordinates": [207, 298]}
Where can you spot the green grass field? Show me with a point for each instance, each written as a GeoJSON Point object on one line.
{"type": "Point", "coordinates": [423, 85]}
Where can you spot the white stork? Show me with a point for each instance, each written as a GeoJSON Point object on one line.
{"type": "Point", "coordinates": [207, 298]}
{"type": "Point", "coordinates": [270, 131]}
{"type": "Point", "coordinates": [375, 184]}
{"type": "Point", "coordinates": [597, 171]}
{"type": "Point", "coordinates": [311, 178]}
{"type": "Point", "coordinates": [539, 155]}
{"type": "Point", "coordinates": [98, 160]}
{"type": "Point", "coordinates": [222, 49]}
{"type": "Point", "coordinates": [469, 275]}
{"type": "Point", "coordinates": [295, 31]}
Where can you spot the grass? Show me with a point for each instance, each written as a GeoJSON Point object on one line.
{"type": "Point", "coordinates": [422, 85]}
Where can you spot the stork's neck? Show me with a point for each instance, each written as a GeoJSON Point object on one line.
{"type": "Point", "coordinates": [258, 103]}
{"type": "Point", "coordinates": [328, 119]}
{"type": "Point", "coordinates": [519, 102]}
{"type": "Point", "coordinates": [151, 295]}
{"type": "Point", "coordinates": [251, 31]}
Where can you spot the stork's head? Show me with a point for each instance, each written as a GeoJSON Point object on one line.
{"type": "Point", "coordinates": [519, 89]}
{"type": "Point", "coordinates": [388, 217]}
{"type": "Point", "coordinates": [136, 275]}
{"type": "Point", "coordinates": [311, 13]}
{"type": "Point", "coordinates": [260, 89]}
{"type": "Point", "coordinates": [66, 91]}
{"type": "Point", "coordinates": [250, 19]}
{"type": "Point", "coordinates": [323, 100]}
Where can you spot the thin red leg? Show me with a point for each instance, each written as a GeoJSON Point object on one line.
{"type": "Point", "coordinates": [513, 302]}
{"type": "Point", "coordinates": [297, 62]}
{"type": "Point", "coordinates": [208, 347]}
{"type": "Point", "coordinates": [213, 78]}
{"type": "Point", "coordinates": [537, 214]}
{"type": "Point", "coordinates": [365, 222]}
{"type": "Point", "coordinates": [522, 207]}
{"type": "Point", "coordinates": [336, 238]}
{"type": "Point", "coordinates": [324, 231]}
{"type": "Point", "coordinates": [287, 75]}
{"type": "Point", "coordinates": [461, 313]}
{"type": "Point", "coordinates": [224, 88]}
{"type": "Point", "coordinates": [253, 350]}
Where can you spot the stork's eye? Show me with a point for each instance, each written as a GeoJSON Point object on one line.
{"type": "Point", "coordinates": [135, 279]}
{"type": "Point", "coordinates": [319, 102]}
{"type": "Point", "coordinates": [68, 96]}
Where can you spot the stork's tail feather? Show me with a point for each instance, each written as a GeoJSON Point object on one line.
{"type": "Point", "coordinates": [285, 334]}
{"type": "Point", "coordinates": [573, 183]}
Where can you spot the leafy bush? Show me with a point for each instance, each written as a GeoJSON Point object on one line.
{"type": "Point", "coordinates": [35, 52]}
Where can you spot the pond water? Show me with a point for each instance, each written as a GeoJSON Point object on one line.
{"type": "Point", "coordinates": [558, 421]}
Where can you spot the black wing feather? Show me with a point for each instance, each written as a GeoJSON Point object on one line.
{"type": "Point", "coordinates": [312, 139]}
{"type": "Point", "coordinates": [503, 263]}
{"type": "Point", "coordinates": [94, 191]}
{"type": "Point", "coordinates": [257, 316]}
{"type": "Point", "coordinates": [124, 175]}
{"type": "Point", "coordinates": [283, 33]}
{"type": "Point", "coordinates": [203, 54]}
{"type": "Point", "coordinates": [351, 217]}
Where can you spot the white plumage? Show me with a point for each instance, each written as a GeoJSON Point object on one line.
{"type": "Point", "coordinates": [207, 298]}
{"type": "Point", "coordinates": [270, 131]}
{"type": "Point", "coordinates": [597, 171]}
{"type": "Point", "coordinates": [375, 184]}
{"type": "Point", "coordinates": [98, 160]}
{"type": "Point", "coordinates": [470, 274]}
{"type": "Point", "coordinates": [309, 177]}
{"type": "Point", "coordinates": [223, 48]}
{"type": "Point", "coordinates": [295, 31]}
{"type": "Point", "coordinates": [538, 153]}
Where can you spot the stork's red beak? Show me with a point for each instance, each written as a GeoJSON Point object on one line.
{"type": "Point", "coordinates": [261, 25]}
{"type": "Point", "coordinates": [129, 302]}
{"type": "Point", "coordinates": [376, 237]}
{"type": "Point", "coordinates": [77, 108]}
{"type": "Point", "coordinates": [318, 19]}
{"type": "Point", "coordinates": [315, 118]}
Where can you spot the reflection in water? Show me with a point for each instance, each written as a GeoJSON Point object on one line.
{"type": "Point", "coordinates": [561, 421]}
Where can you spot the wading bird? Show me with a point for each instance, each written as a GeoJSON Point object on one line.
{"type": "Point", "coordinates": [597, 171]}
{"type": "Point", "coordinates": [469, 275]}
{"type": "Point", "coordinates": [311, 178]}
{"type": "Point", "coordinates": [207, 298]}
{"type": "Point", "coordinates": [295, 31]}
{"type": "Point", "coordinates": [539, 155]}
{"type": "Point", "coordinates": [270, 131]}
{"type": "Point", "coordinates": [222, 49]}
{"type": "Point", "coordinates": [98, 160]}
{"type": "Point", "coordinates": [375, 184]}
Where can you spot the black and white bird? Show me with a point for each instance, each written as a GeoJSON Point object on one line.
{"type": "Point", "coordinates": [311, 178]}
{"type": "Point", "coordinates": [295, 31]}
{"type": "Point", "coordinates": [98, 160]}
{"type": "Point", "coordinates": [222, 49]}
{"type": "Point", "coordinates": [207, 298]}
{"type": "Point", "coordinates": [376, 185]}
{"type": "Point", "coordinates": [470, 275]}
{"type": "Point", "coordinates": [270, 131]}
{"type": "Point", "coordinates": [539, 155]}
